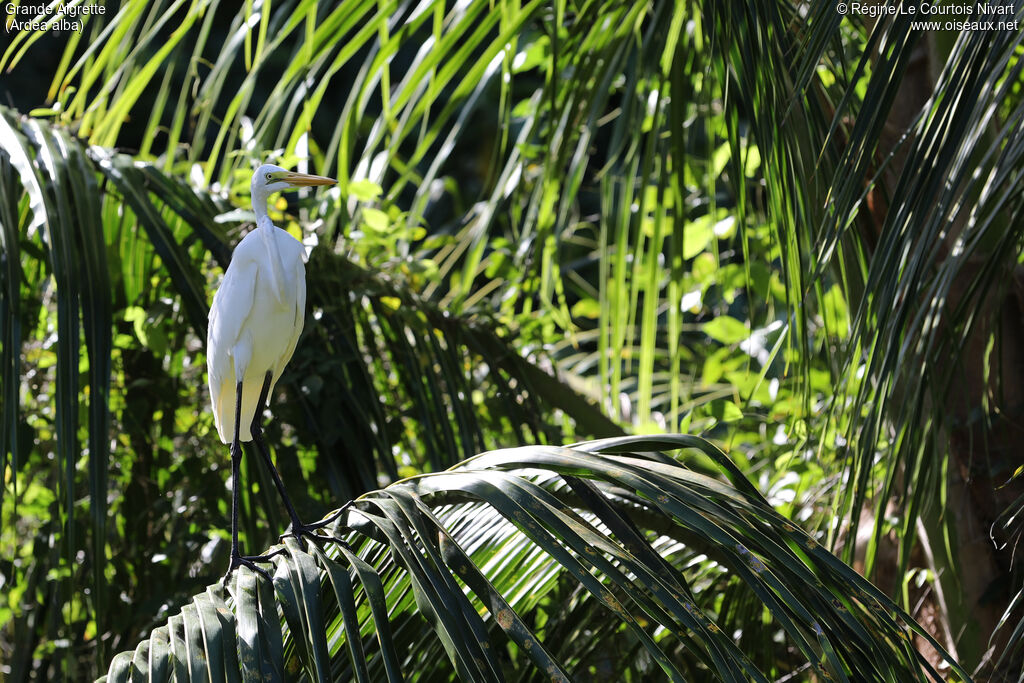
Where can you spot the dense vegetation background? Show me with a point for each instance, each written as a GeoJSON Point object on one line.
{"type": "Point", "coordinates": [793, 233]}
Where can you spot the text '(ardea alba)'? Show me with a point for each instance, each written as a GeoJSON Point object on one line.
{"type": "Point", "coordinates": [255, 322]}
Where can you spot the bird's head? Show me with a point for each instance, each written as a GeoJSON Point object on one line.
{"type": "Point", "coordinates": [269, 179]}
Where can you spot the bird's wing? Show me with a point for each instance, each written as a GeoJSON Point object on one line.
{"type": "Point", "coordinates": [298, 276]}
{"type": "Point", "coordinates": [231, 306]}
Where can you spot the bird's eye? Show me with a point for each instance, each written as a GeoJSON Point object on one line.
{"type": "Point", "coordinates": [268, 177]}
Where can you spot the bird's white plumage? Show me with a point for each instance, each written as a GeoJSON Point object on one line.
{"type": "Point", "coordinates": [253, 326]}
{"type": "Point", "coordinates": [257, 313]}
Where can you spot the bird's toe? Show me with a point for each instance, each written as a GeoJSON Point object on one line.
{"type": "Point", "coordinates": [250, 562]}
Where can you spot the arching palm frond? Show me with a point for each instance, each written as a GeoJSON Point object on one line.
{"type": "Point", "coordinates": [554, 563]}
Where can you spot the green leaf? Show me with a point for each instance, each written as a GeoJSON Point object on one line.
{"type": "Point", "coordinates": [724, 411]}
{"type": "Point", "coordinates": [726, 329]}
{"type": "Point", "coordinates": [697, 235]}
{"type": "Point", "coordinates": [364, 190]}
{"type": "Point", "coordinates": [376, 219]}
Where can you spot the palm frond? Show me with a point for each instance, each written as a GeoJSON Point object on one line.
{"type": "Point", "coordinates": [491, 552]}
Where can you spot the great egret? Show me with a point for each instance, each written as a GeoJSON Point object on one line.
{"type": "Point", "coordinates": [255, 321]}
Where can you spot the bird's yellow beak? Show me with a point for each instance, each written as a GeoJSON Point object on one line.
{"type": "Point", "coordinates": [303, 180]}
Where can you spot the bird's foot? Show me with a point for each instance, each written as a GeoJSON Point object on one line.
{"type": "Point", "coordinates": [250, 561]}
{"type": "Point", "coordinates": [300, 530]}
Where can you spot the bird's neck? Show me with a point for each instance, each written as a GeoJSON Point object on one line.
{"type": "Point", "coordinates": [259, 207]}
{"type": "Point", "coordinates": [267, 234]}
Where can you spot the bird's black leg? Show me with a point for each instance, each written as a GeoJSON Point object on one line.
{"type": "Point", "coordinates": [237, 560]}
{"type": "Point", "coordinates": [297, 528]}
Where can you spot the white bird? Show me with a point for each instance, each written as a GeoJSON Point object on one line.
{"type": "Point", "coordinates": [255, 322]}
